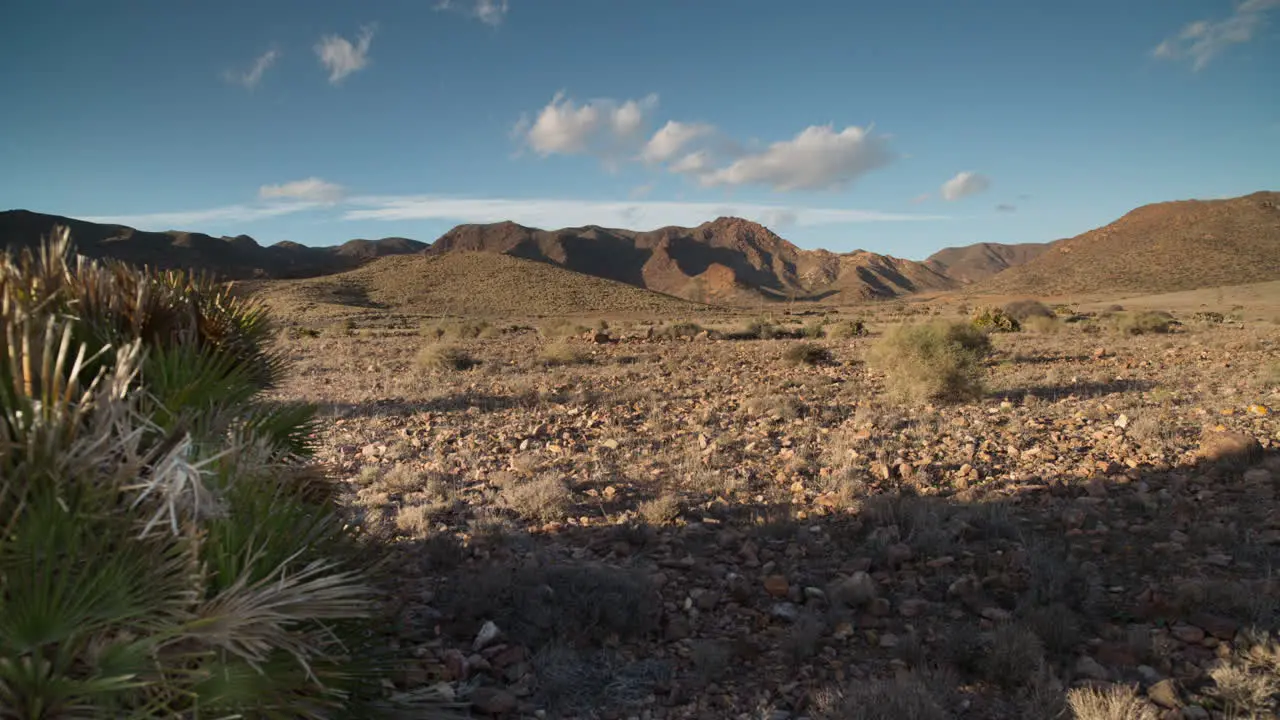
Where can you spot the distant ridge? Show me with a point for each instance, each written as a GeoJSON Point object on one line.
{"type": "Point", "coordinates": [972, 263]}
{"type": "Point", "coordinates": [1162, 247]}
{"type": "Point", "coordinates": [728, 260]}
{"type": "Point", "coordinates": [235, 258]}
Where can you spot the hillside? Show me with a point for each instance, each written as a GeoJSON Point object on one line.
{"type": "Point", "coordinates": [238, 257]}
{"type": "Point", "coordinates": [1163, 247]}
{"type": "Point", "coordinates": [465, 283]}
{"type": "Point", "coordinates": [728, 260]}
{"type": "Point", "coordinates": [972, 263]}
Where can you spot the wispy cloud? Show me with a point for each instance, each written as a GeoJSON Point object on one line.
{"type": "Point", "coordinates": [672, 138]}
{"type": "Point", "coordinates": [489, 12]}
{"type": "Point", "coordinates": [341, 57]}
{"type": "Point", "coordinates": [1006, 208]}
{"type": "Point", "coordinates": [311, 189]}
{"type": "Point", "coordinates": [553, 213]}
{"type": "Point", "coordinates": [1204, 40]}
{"type": "Point", "coordinates": [250, 78]}
{"type": "Point", "coordinates": [605, 128]}
{"type": "Point", "coordinates": [964, 184]}
{"type": "Point", "coordinates": [203, 219]}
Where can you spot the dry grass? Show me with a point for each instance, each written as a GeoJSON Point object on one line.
{"type": "Point", "coordinates": [1119, 702]}
{"type": "Point", "coordinates": [443, 358]}
{"type": "Point", "coordinates": [563, 353]}
{"type": "Point", "coordinates": [806, 353]}
{"type": "Point", "coordinates": [932, 361]}
{"type": "Point", "coordinates": [543, 499]}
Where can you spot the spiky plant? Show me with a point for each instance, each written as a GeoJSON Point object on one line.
{"type": "Point", "coordinates": [164, 550]}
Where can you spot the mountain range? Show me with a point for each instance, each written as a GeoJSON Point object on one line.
{"type": "Point", "coordinates": [1160, 247]}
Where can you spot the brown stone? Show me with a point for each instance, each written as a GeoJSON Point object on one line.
{"type": "Point", "coordinates": [493, 701]}
{"type": "Point", "coordinates": [777, 585]}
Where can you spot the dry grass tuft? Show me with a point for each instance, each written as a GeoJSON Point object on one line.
{"type": "Point", "coordinates": [808, 354]}
{"type": "Point", "coordinates": [445, 358]}
{"type": "Point", "coordinates": [562, 353]}
{"type": "Point", "coordinates": [1119, 702]}
{"type": "Point", "coordinates": [543, 499]}
{"type": "Point", "coordinates": [903, 699]}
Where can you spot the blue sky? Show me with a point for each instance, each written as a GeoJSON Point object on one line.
{"type": "Point", "coordinates": [896, 127]}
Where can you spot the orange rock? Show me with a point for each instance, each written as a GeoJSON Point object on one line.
{"type": "Point", "coordinates": [777, 585]}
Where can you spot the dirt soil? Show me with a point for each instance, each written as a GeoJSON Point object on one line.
{"type": "Point", "coordinates": [618, 526]}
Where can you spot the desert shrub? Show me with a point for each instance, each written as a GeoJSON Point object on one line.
{"type": "Point", "coordinates": [464, 330]}
{"type": "Point", "coordinates": [1041, 324]}
{"type": "Point", "coordinates": [678, 331]}
{"type": "Point", "coordinates": [1248, 682]}
{"type": "Point", "coordinates": [660, 510]}
{"type": "Point", "coordinates": [907, 698]}
{"type": "Point", "coordinates": [561, 328]}
{"type": "Point", "coordinates": [563, 353]}
{"type": "Point", "coordinates": [1118, 702]}
{"type": "Point", "coordinates": [444, 358]}
{"type": "Point", "coordinates": [814, 330]}
{"type": "Point", "coordinates": [1013, 656]}
{"type": "Point", "coordinates": [543, 499]}
{"type": "Point", "coordinates": [166, 547]}
{"type": "Point", "coordinates": [1208, 317]}
{"type": "Point", "coordinates": [932, 361]}
{"type": "Point", "coordinates": [758, 329]}
{"type": "Point", "coordinates": [808, 354]}
{"type": "Point", "coordinates": [846, 330]}
{"type": "Point", "coordinates": [993, 319]}
{"type": "Point", "coordinates": [1023, 310]}
{"type": "Point", "coordinates": [1143, 322]}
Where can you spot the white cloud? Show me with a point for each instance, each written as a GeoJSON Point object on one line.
{"type": "Point", "coordinates": [548, 213]}
{"type": "Point", "coordinates": [672, 138]}
{"type": "Point", "coordinates": [695, 163]}
{"type": "Point", "coordinates": [604, 128]}
{"type": "Point", "coordinates": [250, 78]}
{"type": "Point", "coordinates": [921, 198]}
{"type": "Point", "coordinates": [489, 12]}
{"type": "Point", "coordinates": [202, 219]}
{"type": "Point", "coordinates": [1203, 40]}
{"type": "Point", "coordinates": [341, 57]}
{"type": "Point", "coordinates": [964, 184]}
{"type": "Point", "coordinates": [817, 158]}
{"type": "Point", "coordinates": [312, 189]}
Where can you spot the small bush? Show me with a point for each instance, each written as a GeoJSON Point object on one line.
{"type": "Point", "coordinates": [561, 328]}
{"type": "Point", "coordinates": [906, 698]}
{"type": "Point", "coordinates": [808, 354]}
{"type": "Point", "coordinates": [846, 330]}
{"type": "Point", "coordinates": [992, 319]}
{"type": "Point", "coordinates": [1118, 702]}
{"type": "Point", "coordinates": [1143, 322]}
{"type": "Point", "coordinates": [759, 329]}
{"type": "Point", "coordinates": [932, 361]}
{"type": "Point", "coordinates": [563, 353]}
{"type": "Point", "coordinates": [1014, 656]}
{"type": "Point", "coordinates": [678, 331]}
{"type": "Point", "coordinates": [544, 499]}
{"type": "Point", "coordinates": [1042, 325]}
{"type": "Point", "coordinates": [660, 510]}
{"type": "Point", "coordinates": [1023, 310]}
{"type": "Point", "coordinates": [814, 330]}
{"type": "Point", "coordinates": [445, 358]}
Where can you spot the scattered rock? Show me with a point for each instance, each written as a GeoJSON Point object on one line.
{"type": "Point", "coordinates": [489, 632]}
{"type": "Point", "coordinates": [1165, 694]}
{"type": "Point", "coordinates": [493, 701]}
{"type": "Point", "coordinates": [785, 611]}
{"type": "Point", "coordinates": [777, 585]}
{"type": "Point", "coordinates": [1229, 446]}
{"type": "Point", "coordinates": [1090, 668]}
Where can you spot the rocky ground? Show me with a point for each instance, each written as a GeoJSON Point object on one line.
{"type": "Point", "coordinates": [699, 528]}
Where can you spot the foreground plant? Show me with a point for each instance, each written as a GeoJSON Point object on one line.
{"type": "Point", "coordinates": [938, 361]}
{"type": "Point", "coordinates": [166, 550]}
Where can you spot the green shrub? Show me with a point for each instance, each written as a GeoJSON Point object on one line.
{"type": "Point", "coordinates": [808, 354]}
{"type": "Point", "coordinates": [1143, 322]}
{"type": "Point", "coordinates": [932, 361]}
{"type": "Point", "coordinates": [993, 319]}
{"type": "Point", "coordinates": [846, 329]}
{"type": "Point", "coordinates": [445, 357]}
{"type": "Point", "coordinates": [1023, 310]}
{"type": "Point", "coordinates": [166, 547]}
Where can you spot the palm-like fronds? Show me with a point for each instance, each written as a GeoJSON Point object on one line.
{"type": "Point", "coordinates": [163, 549]}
